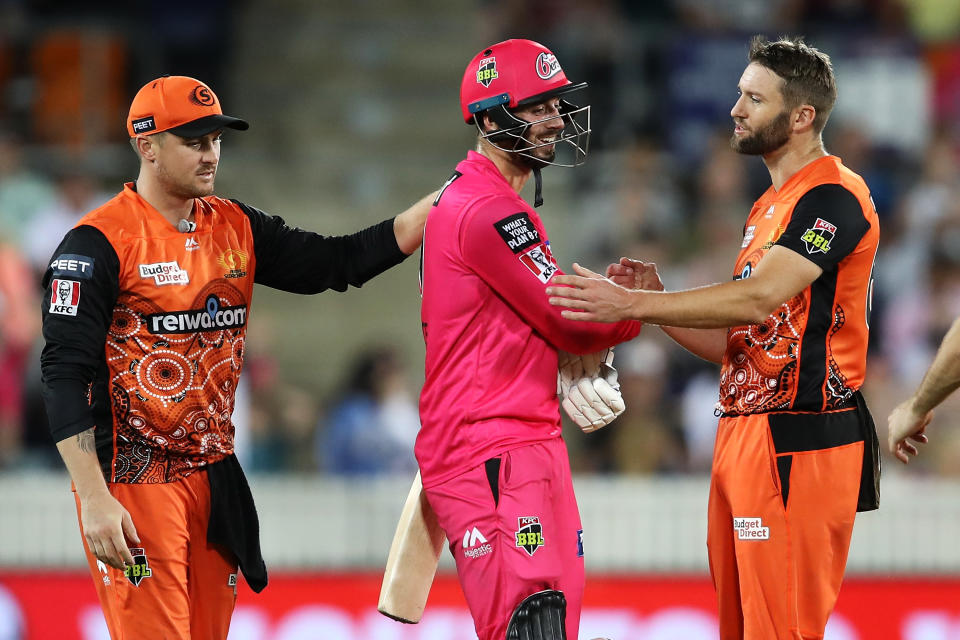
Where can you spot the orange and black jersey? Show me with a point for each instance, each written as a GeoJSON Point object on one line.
{"type": "Point", "coordinates": [810, 354]}
{"type": "Point", "coordinates": [145, 326]}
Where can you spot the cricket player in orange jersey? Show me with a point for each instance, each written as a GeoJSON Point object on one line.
{"type": "Point", "coordinates": [796, 453]}
{"type": "Point", "coordinates": [145, 316]}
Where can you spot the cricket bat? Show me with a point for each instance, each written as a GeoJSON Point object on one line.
{"type": "Point", "coordinates": [412, 562]}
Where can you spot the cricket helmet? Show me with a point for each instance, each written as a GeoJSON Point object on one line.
{"type": "Point", "coordinates": [516, 73]}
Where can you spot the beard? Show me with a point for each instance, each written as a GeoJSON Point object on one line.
{"type": "Point", "coordinates": [534, 157]}
{"type": "Point", "coordinates": [181, 188]}
{"type": "Point", "coordinates": [765, 140]}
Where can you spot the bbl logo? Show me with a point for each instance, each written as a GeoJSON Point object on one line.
{"type": "Point", "coordinates": [140, 568]}
{"type": "Point", "coordinates": [487, 71]}
{"type": "Point", "coordinates": [529, 534]}
{"type": "Point", "coordinates": [817, 239]}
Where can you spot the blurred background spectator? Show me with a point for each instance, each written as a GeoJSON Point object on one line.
{"type": "Point", "coordinates": [372, 420]}
{"type": "Point", "coordinates": [354, 112]}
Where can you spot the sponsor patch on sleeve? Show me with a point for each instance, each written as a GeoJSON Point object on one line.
{"type": "Point", "coordinates": [517, 231]}
{"type": "Point", "coordinates": [64, 297]}
{"type": "Point", "coordinates": [818, 237]}
{"type": "Point", "coordinates": [539, 261]}
{"type": "Point", "coordinates": [72, 266]}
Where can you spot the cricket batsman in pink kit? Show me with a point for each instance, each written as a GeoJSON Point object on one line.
{"type": "Point", "coordinates": [494, 466]}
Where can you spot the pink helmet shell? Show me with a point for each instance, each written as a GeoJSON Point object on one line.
{"type": "Point", "coordinates": [511, 73]}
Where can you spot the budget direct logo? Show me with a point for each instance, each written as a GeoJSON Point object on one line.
{"type": "Point", "coordinates": [164, 273]}
{"type": "Point", "coordinates": [751, 529]}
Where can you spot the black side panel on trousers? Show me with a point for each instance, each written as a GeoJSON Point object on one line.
{"type": "Point", "coordinates": [811, 431]}
{"type": "Point", "coordinates": [493, 477]}
{"type": "Point", "coordinates": [541, 616]}
{"type": "Point", "coordinates": [793, 432]}
{"type": "Point", "coordinates": [784, 464]}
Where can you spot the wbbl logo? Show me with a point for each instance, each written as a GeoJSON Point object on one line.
{"type": "Point", "coordinates": [140, 568]}
{"type": "Point", "coordinates": [529, 534]}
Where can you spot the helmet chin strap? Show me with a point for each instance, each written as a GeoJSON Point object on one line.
{"type": "Point", "coordinates": [538, 187]}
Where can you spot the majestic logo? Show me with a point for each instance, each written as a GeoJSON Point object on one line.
{"type": "Point", "coordinates": [751, 529]}
{"type": "Point", "coordinates": [212, 317]}
{"type": "Point", "coordinates": [102, 568]}
{"type": "Point", "coordinates": [64, 297]}
{"type": "Point", "coordinates": [164, 273]}
{"type": "Point", "coordinates": [539, 261]}
{"type": "Point", "coordinates": [547, 65]}
{"type": "Point", "coordinates": [142, 125]}
{"type": "Point", "coordinates": [769, 213]}
{"type": "Point", "coordinates": [529, 534]}
{"type": "Point", "coordinates": [817, 239]}
{"type": "Point", "coordinates": [235, 262]}
{"type": "Point", "coordinates": [191, 244]}
{"type": "Point", "coordinates": [474, 544]}
{"type": "Point", "coordinates": [140, 569]}
{"type": "Point", "coordinates": [202, 96]}
{"type": "Point", "coordinates": [72, 265]}
{"type": "Point", "coordinates": [487, 71]}
{"type": "Point", "coordinates": [517, 231]}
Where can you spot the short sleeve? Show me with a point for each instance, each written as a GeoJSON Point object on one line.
{"type": "Point", "coordinates": [827, 224]}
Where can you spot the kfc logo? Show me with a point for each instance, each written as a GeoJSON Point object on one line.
{"type": "Point", "coordinates": [64, 297]}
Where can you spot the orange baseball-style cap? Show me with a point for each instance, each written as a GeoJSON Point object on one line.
{"type": "Point", "coordinates": [179, 105]}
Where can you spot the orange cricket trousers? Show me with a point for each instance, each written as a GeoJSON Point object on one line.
{"type": "Point", "coordinates": [182, 587]}
{"type": "Point", "coordinates": [783, 498]}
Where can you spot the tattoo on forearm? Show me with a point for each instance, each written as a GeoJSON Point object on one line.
{"type": "Point", "coordinates": [86, 441]}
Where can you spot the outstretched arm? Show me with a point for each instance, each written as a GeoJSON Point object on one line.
{"type": "Point", "coordinates": [910, 419]}
{"type": "Point", "coordinates": [408, 226]}
{"type": "Point", "coordinates": [708, 344]}
{"type": "Point", "coordinates": [779, 276]}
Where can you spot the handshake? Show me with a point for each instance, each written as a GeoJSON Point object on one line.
{"type": "Point", "coordinates": [589, 389]}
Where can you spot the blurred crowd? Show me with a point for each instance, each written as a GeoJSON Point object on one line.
{"type": "Point", "coordinates": [661, 185]}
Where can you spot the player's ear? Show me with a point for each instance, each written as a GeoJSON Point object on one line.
{"type": "Point", "coordinates": [487, 123]}
{"type": "Point", "coordinates": [803, 117]}
{"type": "Point", "coordinates": [146, 147]}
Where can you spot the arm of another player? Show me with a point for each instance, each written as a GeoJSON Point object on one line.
{"type": "Point", "coordinates": [708, 344]}
{"type": "Point", "coordinates": [408, 226]}
{"type": "Point", "coordinates": [910, 419]}
{"type": "Point", "coordinates": [299, 261]}
{"type": "Point", "coordinates": [780, 275]}
{"type": "Point", "coordinates": [518, 270]}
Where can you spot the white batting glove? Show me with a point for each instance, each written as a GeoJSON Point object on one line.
{"type": "Point", "coordinates": [592, 400]}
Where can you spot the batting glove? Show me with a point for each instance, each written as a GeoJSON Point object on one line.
{"type": "Point", "coordinates": [591, 393]}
